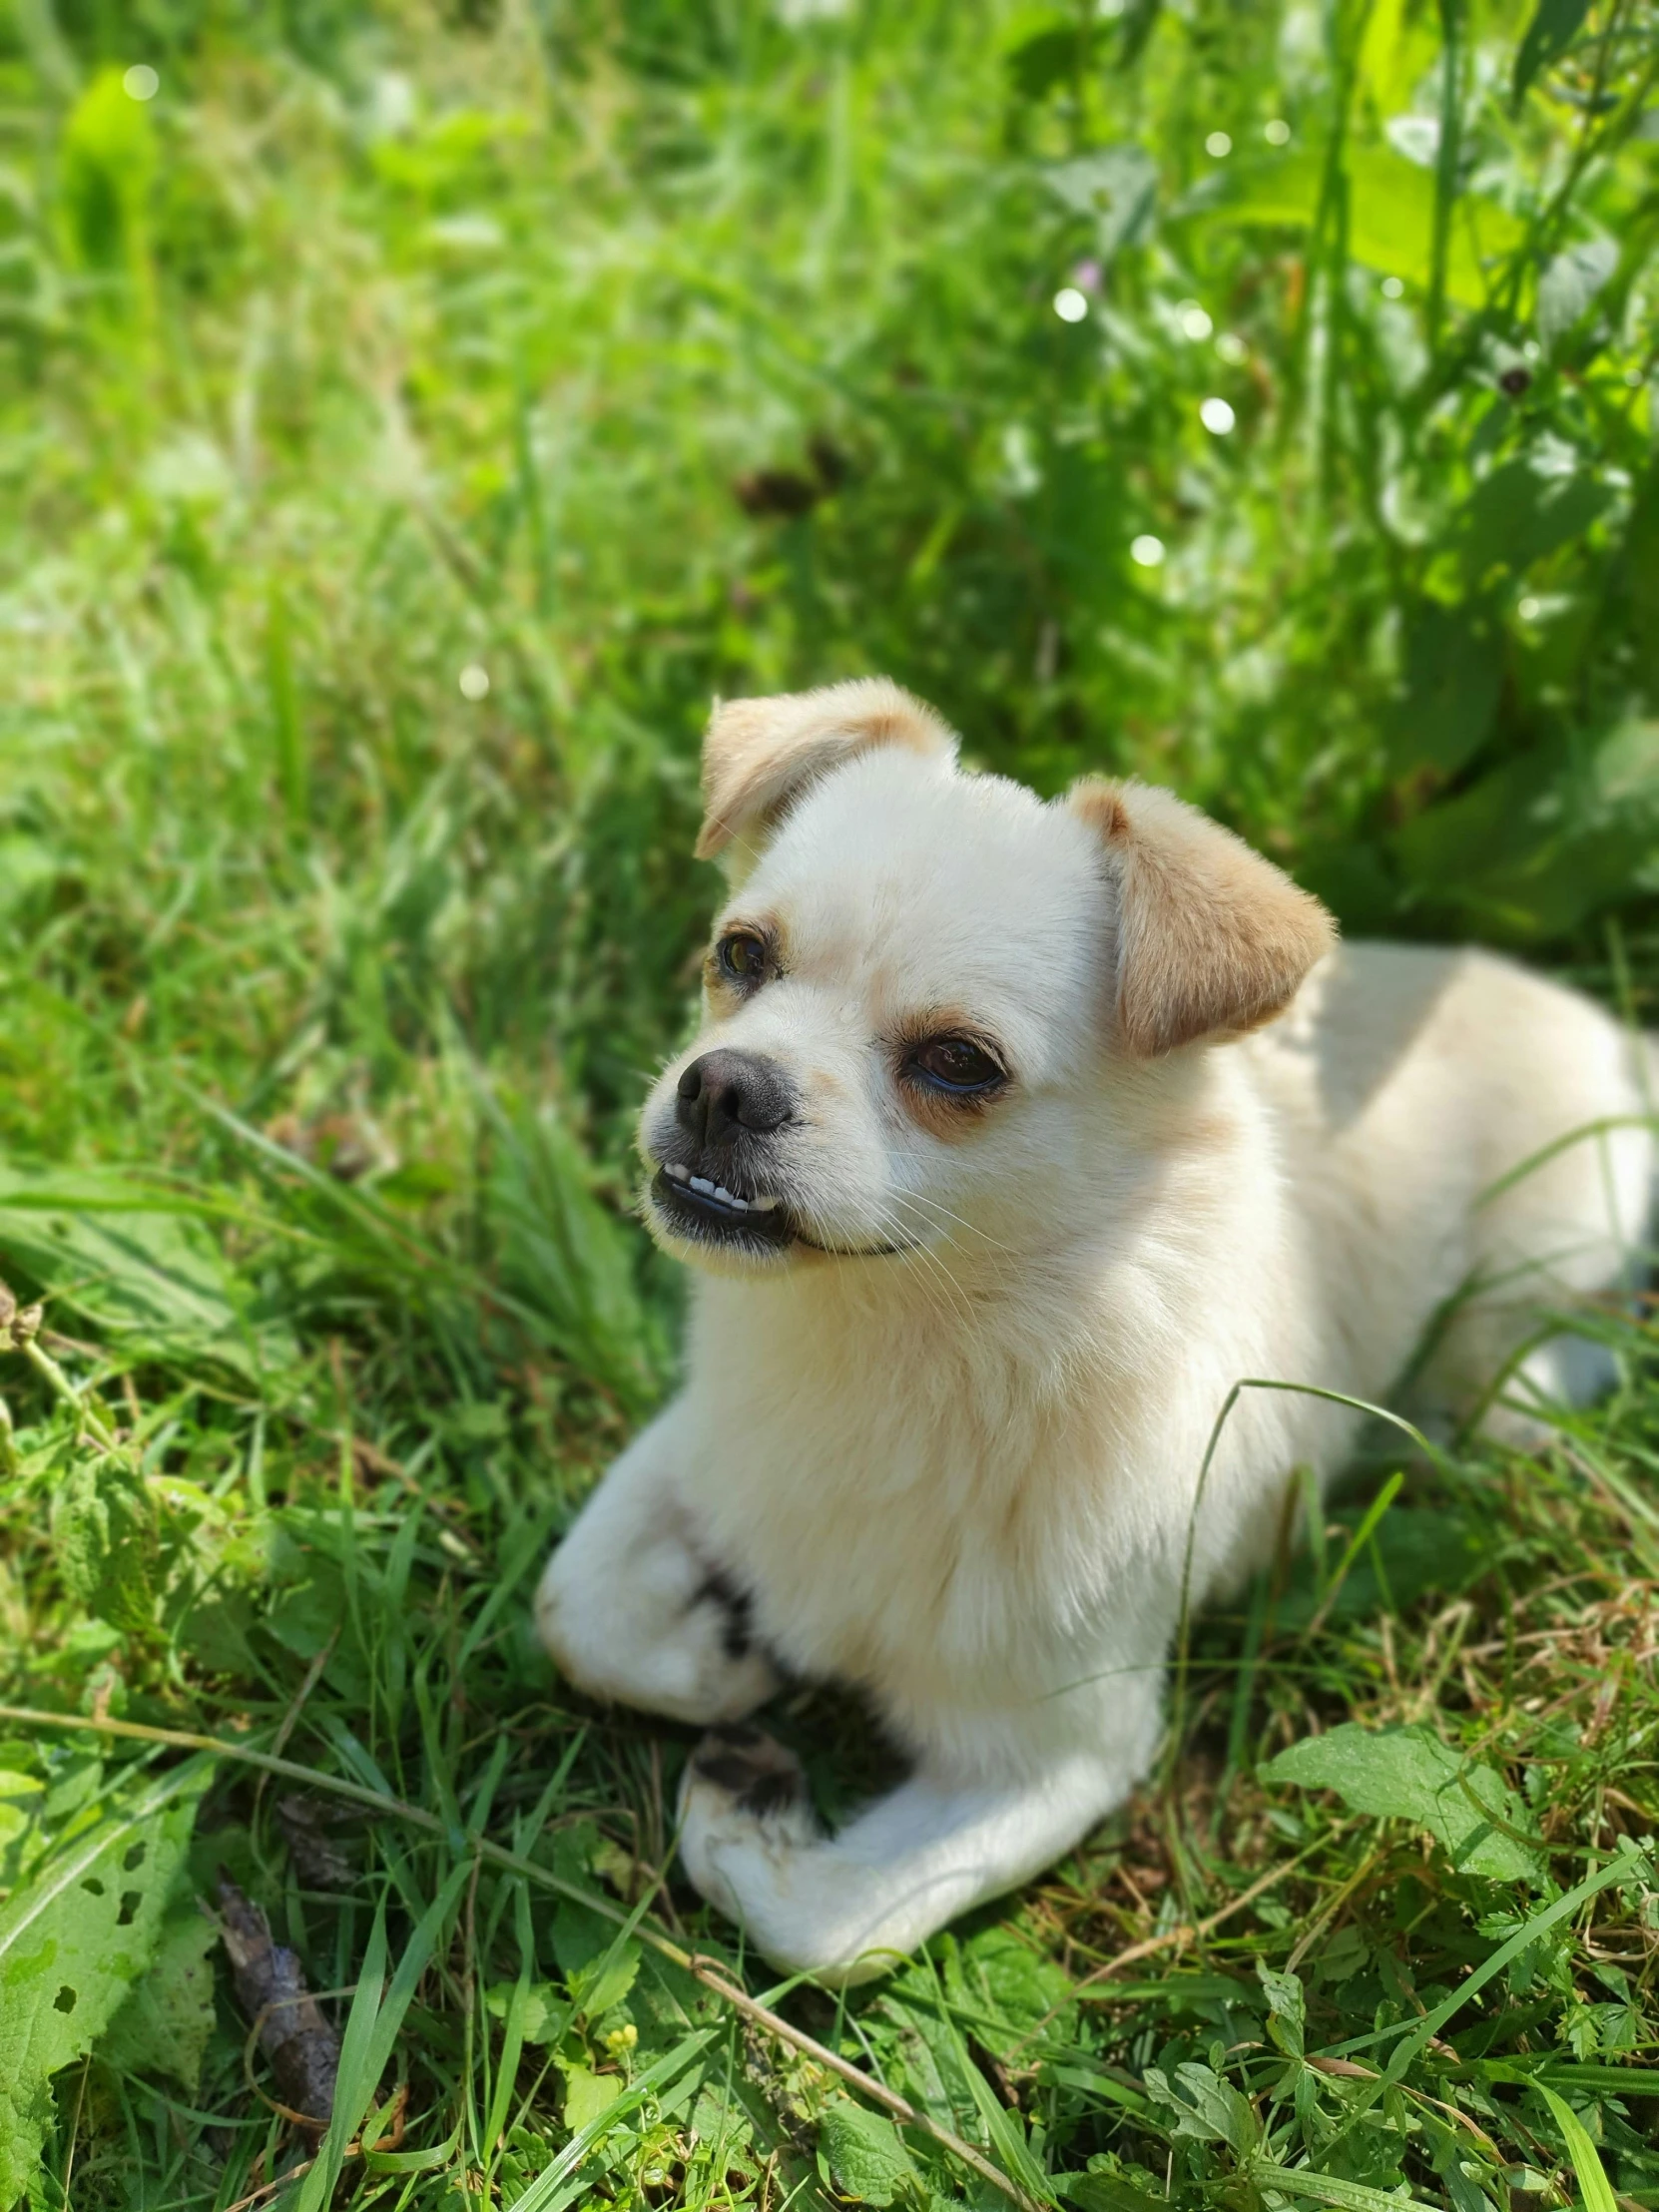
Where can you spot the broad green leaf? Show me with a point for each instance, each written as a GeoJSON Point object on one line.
{"type": "Point", "coordinates": [1409, 1774]}
{"type": "Point", "coordinates": [865, 2155]}
{"type": "Point", "coordinates": [142, 1275]}
{"type": "Point", "coordinates": [20, 1795]}
{"type": "Point", "coordinates": [1569, 283]}
{"type": "Point", "coordinates": [1544, 841]}
{"type": "Point", "coordinates": [588, 2094]}
{"type": "Point", "coordinates": [107, 159]}
{"type": "Point", "coordinates": [1100, 2190]}
{"type": "Point", "coordinates": [1390, 214]}
{"type": "Point", "coordinates": [163, 2027]}
{"type": "Point", "coordinates": [543, 2012]}
{"type": "Point", "coordinates": [1050, 50]}
{"type": "Point", "coordinates": [1397, 50]}
{"type": "Point", "coordinates": [1117, 187]}
{"type": "Point", "coordinates": [1641, 569]}
{"type": "Point", "coordinates": [1523, 511]}
{"type": "Point", "coordinates": [1594, 2188]}
{"type": "Point", "coordinates": [1554, 27]}
{"type": "Point", "coordinates": [1205, 2107]}
{"type": "Point", "coordinates": [995, 1973]}
{"type": "Point", "coordinates": [1452, 674]}
{"type": "Point", "coordinates": [74, 1941]}
{"type": "Point", "coordinates": [1392, 226]}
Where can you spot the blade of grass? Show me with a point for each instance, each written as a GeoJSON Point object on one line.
{"type": "Point", "coordinates": [1594, 2187]}
{"type": "Point", "coordinates": [370, 2031]}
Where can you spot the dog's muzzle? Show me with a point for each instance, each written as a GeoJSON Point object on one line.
{"type": "Point", "coordinates": [727, 1105]}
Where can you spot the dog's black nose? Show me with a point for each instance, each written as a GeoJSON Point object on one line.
{"type": "Point", "coordinates": [725, 1093]}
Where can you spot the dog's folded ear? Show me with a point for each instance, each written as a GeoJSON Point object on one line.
{"type": "Point", "coordinates": [1212, 941]}
{"type": "Point", "coordinates": [760, 754]}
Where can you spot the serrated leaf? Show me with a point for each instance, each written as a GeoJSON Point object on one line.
{"type": "Point", "coordinates": [1409, 1774]}
{"type": "Point", "coordinates": [163, 2027]}
{"type": "Point", "coordinates": [596, 1988]}
{"type": "Point", "coordinates": [105, 1540]}
{"type": "Point", "coordinates": [1205, 2107]}
{"type": "Point", "coordinates": [73, 1942]}
{"type": "Point", "coordinates": [1287, 2008]}
{"type": "Point", "coordinates": [865, 2155]}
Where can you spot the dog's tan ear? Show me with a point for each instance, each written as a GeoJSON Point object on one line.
{"type": "Point", "coordinates": [1212, 939]}
{"type": "Point", "coordinates": [759, 753]}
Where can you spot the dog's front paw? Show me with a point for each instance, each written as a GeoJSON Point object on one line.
{"type": "Point", "coordinates": [744, 1800]}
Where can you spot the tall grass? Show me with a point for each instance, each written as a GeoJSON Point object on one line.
{"type": "Point", "coordinates": [408, 418]}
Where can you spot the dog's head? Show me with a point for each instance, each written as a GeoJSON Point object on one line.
{"type": "Point", "coordinates": [921, 978]}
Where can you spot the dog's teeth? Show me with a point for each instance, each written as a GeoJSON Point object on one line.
{"type": "Point", "coordinates": [701, 1183]}
{"type": "Point", "coordinates": [723, 1194]}
{"type": "Point", "coordinates": [679, 1174]}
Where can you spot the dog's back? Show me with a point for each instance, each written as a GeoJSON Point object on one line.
{"type": "Point", "coordinates": [1452, 1122]}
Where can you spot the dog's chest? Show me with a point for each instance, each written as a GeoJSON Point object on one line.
{"type": "Point", "coordinates": [863, 1541]}
{"type": "Point", "coordinates": [896, 1514]}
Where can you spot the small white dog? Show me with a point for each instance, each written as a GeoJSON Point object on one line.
{"type": "Point", "coordinates": [998, 1184]}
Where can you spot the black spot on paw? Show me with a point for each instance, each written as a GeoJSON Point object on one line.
{"type": "Point", "coordinates": [739, 1735]}
{"type": "Point", "coordinates": [774, 1793]}
{"type": "Point", "coordinates": [727, 1768]}
{"type": "Point", "coordinates": [752, 1767]}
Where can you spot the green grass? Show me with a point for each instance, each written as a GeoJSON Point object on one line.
{"type": "Point", "coordinates": [631, 353]}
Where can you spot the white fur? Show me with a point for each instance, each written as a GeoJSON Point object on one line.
{"type": "Point", "coordinates": [962, 1477]}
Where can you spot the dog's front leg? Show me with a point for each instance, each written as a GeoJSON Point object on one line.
{"type": "Point", "coordinates": [632, 1609]}
{"type": "Point", "coordinates": [843, 1909]}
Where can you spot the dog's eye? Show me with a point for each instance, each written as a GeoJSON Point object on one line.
{"type": "Point", "coordinates": [955, 1064]}
{"type": "Point", "coordinates": [742, 957]}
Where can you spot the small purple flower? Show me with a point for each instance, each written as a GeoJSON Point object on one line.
{"type": "Point", "coordinates": [1086, 276]}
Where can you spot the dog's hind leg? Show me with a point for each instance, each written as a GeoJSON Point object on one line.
{"type": "Point", "coordinates": [631, 1609]}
